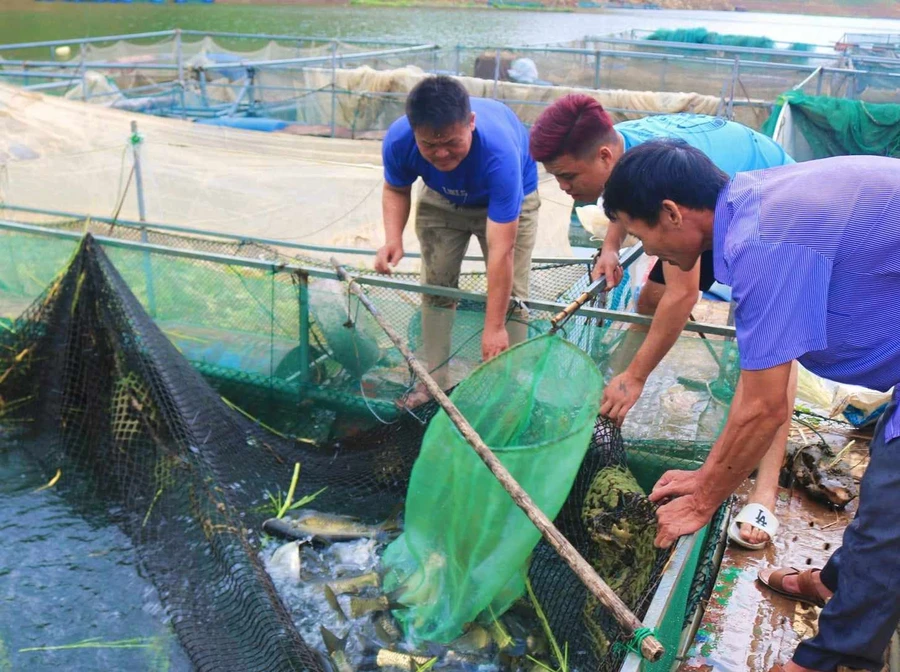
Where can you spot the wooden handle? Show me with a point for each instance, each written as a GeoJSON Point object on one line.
{"type": "Point", "coordinates": [596, 287]}
{"type": "Point", "coordinates": [564, 314]}
{"type": "Point", "coordinates": [651, 649]}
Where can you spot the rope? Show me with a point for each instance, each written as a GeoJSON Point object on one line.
{"type": "Point", "coordinates": [634, 644]}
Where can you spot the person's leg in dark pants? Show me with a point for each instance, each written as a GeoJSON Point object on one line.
{"type": "Point", "coordinates": [857, 623]}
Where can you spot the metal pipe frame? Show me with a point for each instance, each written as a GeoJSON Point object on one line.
{"type": "Point", "coordinates": [641, 55]}
{"type": "Point", "coordinates": [106, 65]}
{"type": "Point", "coordinates": [320, 59]}
{"type": "Point", "coordinates": [289, 103]}
{"type": "Point", "coordinates": [312, 60]}
{"type": "Point", "coordinates": [109, 65]}
{"type": "Point", "coordinates": [373, 281]}
{"type": "Point", "coordinates": [37, 74]}
{"type": "Point", "coordinates": [589, 38]}
{"type": "Point", "coordinates": [51, 85]}
{"type": "Point", "coordinates": [87, 40]}
{"type": "Point", "coordinates": [295, 38]}
{"type": "Point", "coordinates": [232, 237]}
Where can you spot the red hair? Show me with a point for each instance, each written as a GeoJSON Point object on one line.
{"type": "Point", "coordinates": [571, 125]}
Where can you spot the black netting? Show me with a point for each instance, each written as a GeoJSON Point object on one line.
{"type": "Point", "coordinates": [114, 403]}
{"type": "Point", "coordinates": [628, 563]}
{"type": "Point", "coordinates": [707, 565]}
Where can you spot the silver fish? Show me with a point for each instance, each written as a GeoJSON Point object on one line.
{"type": "Point", "coordinates": [307, 523]}
{"type": "Point", "coordinates": [337, 649]}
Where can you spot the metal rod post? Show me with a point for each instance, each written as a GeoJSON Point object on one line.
{"type": "Point", "coordinates": [142, 214]}
{"type": "Point", "coordinates": [734, 77]}
{"type": "Point", "coordinates": [496, 72]}
{"type": "Point", "coordinates": [815, 73]}
{"type": "Point", "coordinates": [179, 59]}
{"type": "Point", "coordinates": [138, 175]}
{"type": "Point", "coordinates": [819, 82]}
{"type": "Point", "coordinates": [651, 649]}
{"type": "Point", "coordinates": [83, 70]}
{"type": "Point", "coordinates": [303, 306]}
{"type": "Point", "coordinates": [596, 69]}
{"type": "Point", "coordinates": [201, 77]}
{"type": "Point", "coordinates": [458, 59]}
{"type": "Point", "coordinates": [251, 91]}
{"type": "Point", "coordinates": [333, 89]}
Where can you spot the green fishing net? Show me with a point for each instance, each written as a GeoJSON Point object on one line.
{"type": "Point", "coordinates": [350, 333]}
{"type": "Point", "coordinates": [466, 543]}
{"type": "Point", "coordinates": [837, 126]}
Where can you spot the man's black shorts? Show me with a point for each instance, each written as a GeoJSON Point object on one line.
{"type": "Point", "coordinates": [707, 277]}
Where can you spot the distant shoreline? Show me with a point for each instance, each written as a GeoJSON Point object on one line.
{"type": "Point", "coordinates": [874, 9]}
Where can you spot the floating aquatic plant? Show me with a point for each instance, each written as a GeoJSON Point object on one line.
{"type": "Point", "coordinates": [281, 503]}
{"type": "Point", "coordinates": [561, 655]}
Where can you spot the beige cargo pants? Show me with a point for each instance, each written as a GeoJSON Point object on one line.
{"type": "Point", "coordinates": [444, 231]}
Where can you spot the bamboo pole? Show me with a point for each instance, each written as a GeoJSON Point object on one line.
{"type": "Point", "coordinates": [596, 287]}
{"type": "Point", "coordinates": [651, 649]}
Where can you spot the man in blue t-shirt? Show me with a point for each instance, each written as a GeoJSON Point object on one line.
{"type": "Point", "coordinates": [472, 155]}
{"type": "Point", "coordinates": [577, 142]}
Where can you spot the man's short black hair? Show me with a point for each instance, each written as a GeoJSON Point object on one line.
{"type": "Point", "coordinates": [661, 170]}
{"type": "Point", "coordinates": [437, 102]}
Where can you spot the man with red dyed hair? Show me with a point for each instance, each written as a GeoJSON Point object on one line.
{"type": "Point", "coordinates": [578, 143]}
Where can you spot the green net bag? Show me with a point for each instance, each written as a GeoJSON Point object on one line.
{"type": "Point", "coordinates": [350, 332]}
{"type": "Point", "coordinates": [466, 544]}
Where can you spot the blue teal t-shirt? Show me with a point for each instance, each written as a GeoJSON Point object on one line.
{"type": "Point", "coordinates": [734, 148]}
{"type": "Point", "coordinates": [498, 171]}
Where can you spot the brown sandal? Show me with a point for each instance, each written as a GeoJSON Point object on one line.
{"type": "Point", "coordinates": [773, 579]}
{"type": "Point", "coordinates": [841, 668]}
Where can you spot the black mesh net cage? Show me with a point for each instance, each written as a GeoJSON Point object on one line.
{"type": "Point", "coordinates": [145, 438]}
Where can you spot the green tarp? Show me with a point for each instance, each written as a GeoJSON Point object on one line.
{"type": "Point", "coordinates": [704, 36]}
{"type": "Point", "coordinates": [838, 127]}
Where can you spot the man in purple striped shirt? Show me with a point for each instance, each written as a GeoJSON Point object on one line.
{"type": "Point", "coordinates": [812, 254]}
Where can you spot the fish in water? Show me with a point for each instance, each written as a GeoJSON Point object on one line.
{"type": "Point", "coordinates": [285, 561]}
{"type": "Point", "coordinates": [337, 650]}
{"type": "Point", "coordinates": [306, 523]}
{"type": "Point", "coordinates": [331, 598]}
{"type": "Point", "coordinates": [408, 661]}
{"type": "Point", "coordinates": [360, 606]}
{"type": "Point", "coordinates": [817, 470]}
{"type": "Point", "coordinates": [387, 629]}
{"type": "Point", "coordinates": [354, 584]}
{"type": "Point", "coordinates": [475, 639]}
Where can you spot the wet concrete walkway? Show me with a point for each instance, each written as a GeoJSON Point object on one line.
{"type": "Point", "coordinates": [745, 626]}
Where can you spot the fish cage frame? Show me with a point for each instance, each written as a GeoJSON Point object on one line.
{"type": "Point", "coordinates": [841, 73]}
{"type": "Point", "coordinates": [667, 607]}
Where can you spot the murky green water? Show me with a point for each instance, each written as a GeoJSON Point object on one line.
{"type": "Point", "coordinates": [26, 20]}
{"type": "Point", "coordinates": [68, 576]}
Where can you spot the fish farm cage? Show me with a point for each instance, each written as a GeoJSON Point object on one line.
{"type": "Point", "coordinates": [173, 376]}
{"type": "Point", "coordinates": [349, 88]}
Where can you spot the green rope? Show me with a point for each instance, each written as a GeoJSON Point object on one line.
{"type": "Point", "coordinates": [634, 644]}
